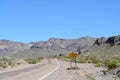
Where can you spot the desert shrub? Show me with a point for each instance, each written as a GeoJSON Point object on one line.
{"type": "Point", "coordinates": [116, 57]}
{"type": "Point", "coordinates": [81, 60]}
{"type": "Point", "coordinates": [94, 60]}
{"type": "Point", "coordinates": [98, 65]}
{"type": "Point", "coordinates": [104, 72]}
{"type": "Point", "coordinates": [88, 59]}
{"type": "Point", "coordinates": [5, 62]}
{"type": "Point", "coordinates": [11, 62]}
{"type": "Point", "coordinates": [111, 65]}
{"type": "Point", "coordinates": [18, 63]}
{"type": "Point", "coordinates": [118, 64]}
{"type": "Point", "coordinates": [33, 61]}
{"type": "Point", "coordinates": [39, 58]}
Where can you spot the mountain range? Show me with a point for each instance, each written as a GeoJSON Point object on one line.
{"type": "Point", "coordinates": [53, 47]}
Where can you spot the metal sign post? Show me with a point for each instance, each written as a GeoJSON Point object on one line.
{"type": "Point", "coordinates": [73, 56]}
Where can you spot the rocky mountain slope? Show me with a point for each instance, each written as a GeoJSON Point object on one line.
{"type": "Point", "coordinates": [107, 47]}
{"type": "Point", "coordinates": [65, 44]}
{"type": "Point", "coordinates": [56, 46]}
{"type": "Point", "coordinates": [9, 47]}
{"type": "Point", "coordinates": [113, 40]}
{"type": "Point", "coordinates": [52, 47]}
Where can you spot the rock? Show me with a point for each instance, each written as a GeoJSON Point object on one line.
{"type": "Point", "coordinates": [114, 40]}
{"type": "Point", "coordinates": [100, 41]}
{"type": "Point", "coordinates": [81, 50]}
{"type": "Point", "coordinates": [116, 72]}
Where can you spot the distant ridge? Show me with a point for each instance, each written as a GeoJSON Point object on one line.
{"type": "Point", "coordinates": [53, 47]}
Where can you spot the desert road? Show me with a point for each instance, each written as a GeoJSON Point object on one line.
{"type": "Point", "coordinates": [56, 70]}
{"type": "Point", "coordinates": [12, 73]}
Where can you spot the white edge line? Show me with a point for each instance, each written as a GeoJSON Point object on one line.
{"type": "Point", "coordinates": [50, 72]}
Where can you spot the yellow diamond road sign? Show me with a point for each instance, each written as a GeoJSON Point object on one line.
{"type": "Point", "coordinates": [72, 55]}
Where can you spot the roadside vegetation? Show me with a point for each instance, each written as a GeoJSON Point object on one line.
{"type": "Point", "coordinates": [102, 56]}
{"type": "Point", "coordinates": [7, 62]}
{"type": "Point", "coordinates": [109, 63]}
{"type": "Point", "coordinates": [106, 55]}
{"type": "Point", "coordinates": [33, 60]}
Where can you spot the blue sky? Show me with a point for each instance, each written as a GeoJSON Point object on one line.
{"type": "Point", "coordinates": [36, 20]}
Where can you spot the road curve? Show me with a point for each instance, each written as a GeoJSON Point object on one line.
{"type": "Point", "coordinates": [37, 72]}
{"type": "Point", "coordinates": [56, 70]}
{"type": "Point", "coordinates": [63, 74]}
{"type": "Point", "coordinates": [52, 71]}
{"type": "Point", "coordinates": [13, 73]}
